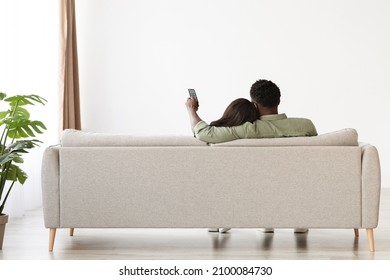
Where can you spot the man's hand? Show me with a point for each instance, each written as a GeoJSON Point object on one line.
{"type": "Point", "coordinates": [192, 104]}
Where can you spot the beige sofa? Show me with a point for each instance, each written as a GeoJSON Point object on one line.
{"type": "Point", "coordinates": [95, 180]}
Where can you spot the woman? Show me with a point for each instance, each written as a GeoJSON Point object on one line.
{"type": "Point", "coordinates": [238, 112]}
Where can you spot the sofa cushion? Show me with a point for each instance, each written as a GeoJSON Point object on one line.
{"type": "Point", "coordinates": [77, 138]}
{"type": "Point", "coordinates": [344, 137]}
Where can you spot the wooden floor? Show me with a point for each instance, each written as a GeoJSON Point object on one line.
{"type": "Point", "coordinates": [27, 239]}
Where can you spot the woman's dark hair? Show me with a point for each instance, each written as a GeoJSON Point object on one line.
{"type": "Point", "coordinates": [238, 112]}
{"type": "Point", "coordinates": [265, 93]}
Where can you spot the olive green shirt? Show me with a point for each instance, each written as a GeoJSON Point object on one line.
{"type": "Point", "coordinates": [268, 126]}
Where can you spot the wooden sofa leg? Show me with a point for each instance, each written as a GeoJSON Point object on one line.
{"type": "Point", "coordinates": [71, 231]}
{"type": "Point", "coordinates": [52, 238]}
{"type": "Point", "coordinates": [370, 236]}
{"type": "Point", "coordinates": [356, 230]}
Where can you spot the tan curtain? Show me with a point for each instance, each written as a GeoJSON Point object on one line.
{"type": "Point", "coordinates": [69, 73]}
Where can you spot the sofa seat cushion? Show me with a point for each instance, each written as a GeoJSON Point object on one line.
{"type": "Point", "coordinates": [77, 138]}
{"type": "Point", "coordinates": [344, 137]}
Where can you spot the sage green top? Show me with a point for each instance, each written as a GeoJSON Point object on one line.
{"type": "Point", "coordinates": [269, 126]}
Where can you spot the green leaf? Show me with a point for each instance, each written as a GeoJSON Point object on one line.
{"type": "Point", "coordinates": [11, 174]}
{"type": "Point", "coordinates": [18, 100]}
{"type": "Point", "coordinates": [21, 133]}
{"type": "Point", "coordinates": [14, 101]}
{"type": "Point", "coordinates": [22, 128]}
{"type": "Point", "coordinates": [7, 157]}
{"type": "Point", "coordinates": [12, 152]}
{"type": "Point", "coordinates": [4, 114]}
{"type": "Point", "coordinates": [36, 124]}
{"type": "Point", "coordinates": [18, 160]}
{"type": "Point", "coordinates": [22, 100]}
{"type": "Point", "coordinates": [11, 134]}
{"type": "Point", "coordinates": [29, 131]}
{"type": "Point", "coordinates": [15, 173]}
{"type": "Point", "coordinates": [2, 95]}
{"type": "Point", "coordinates": [20, 112]}
{"type": "Point", "coordinates": [38, 99]}
{"type": "Point", "coordinates": [21, 175]}
{"type": "Point", "coordinates": [22, 144]}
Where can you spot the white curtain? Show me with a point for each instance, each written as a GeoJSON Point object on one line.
{"type": "Point", "coordinates": [29, 65]}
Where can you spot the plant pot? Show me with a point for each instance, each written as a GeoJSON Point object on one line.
{"type": "Point", "coordinates": [3, 221]}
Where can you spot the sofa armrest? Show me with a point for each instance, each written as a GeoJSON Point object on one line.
{"type": "Point", "coordinates": [50, 187]}
{"type": "Point", "coordinates": [371, 185]}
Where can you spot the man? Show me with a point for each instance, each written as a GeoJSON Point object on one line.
{"type": "Point", "coordinates": [265, 96]}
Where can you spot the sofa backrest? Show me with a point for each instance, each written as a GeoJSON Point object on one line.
{"type": "Point", "coordinates": [77, 138]}
{"type": "Point", "coordinates": [344, 137]}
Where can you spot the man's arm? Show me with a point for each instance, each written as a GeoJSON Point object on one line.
{"type": "Point", "coordinates": [214, 134]}
{"type": "Point", "coordinates": [205, 132]}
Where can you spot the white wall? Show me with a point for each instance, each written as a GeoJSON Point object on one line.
{"type": "Point", "coordinates": [330, 59]}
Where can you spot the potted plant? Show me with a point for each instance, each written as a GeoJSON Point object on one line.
{"type": "Point", "coordinates": [16, 132]}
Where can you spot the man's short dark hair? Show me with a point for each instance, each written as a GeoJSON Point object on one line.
{"type": "Point", "coordinates": [265, 93]}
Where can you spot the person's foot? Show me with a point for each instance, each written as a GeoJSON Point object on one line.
{"type": "Point", "coordinates": [213, 229]}
{"type": "Point", "coordinates": [301, 230]}
{"type": "Point", "coordinates": [224, 230]}
{"type": "Point", "coordinates": [268, 230]}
